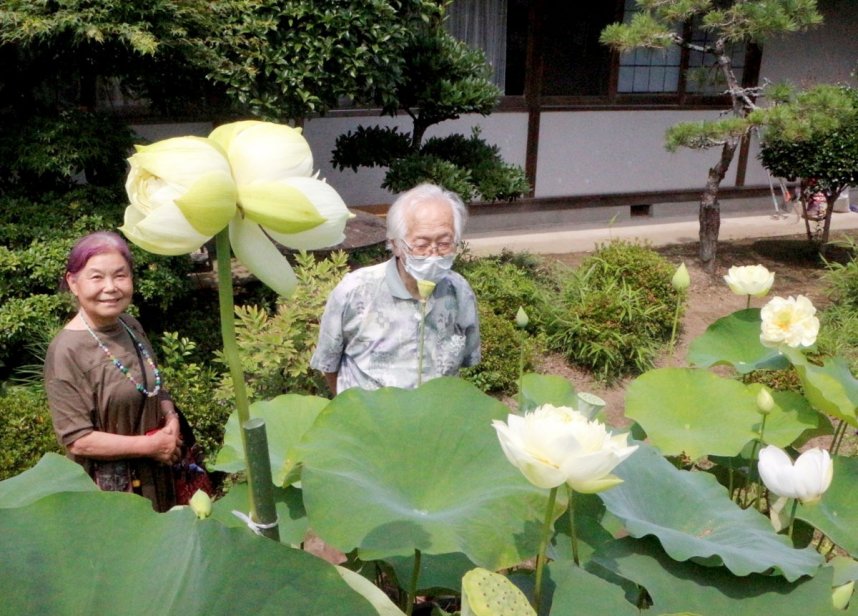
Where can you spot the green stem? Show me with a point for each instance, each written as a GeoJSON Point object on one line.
{"type": "Point", "coordinates": [421, 334]}
{"type": "Point", "coordinates": [412, 587]}
{"type": "Point", "coordinates": [837, 439]}
{"type": "Point", "coordinates": [521, 373]}
{"type": "Point", "coordinates": [748, 304]}
{"type": "Point", "coordinates": [543, 546]}
{"type": "Point", "coordinates": [675, 322]}
{"type": "Point", "coordinates": [573, 535]}
{"type": "Point", "coordinates": [792, 517]}
{"type": "Point", "coordinates": [758, 490]}
{"type": "Point", "coordinates": [233, 360]}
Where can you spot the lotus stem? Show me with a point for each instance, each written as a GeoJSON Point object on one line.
{"type": "Point", "coordinates": [412, 586]}
{"type": "Point", "coordinates": [543, 546]}
{"type": "Point", "coordinates": [837, 439]}
{"type": "Point", "coordinates": [573, 534]}
{"type": "Point", "coordinates": [792, 517]}
{"type": "Point", "coordinates": [233, 360]}
{"type": "Point", "coordinates": [675, 322]}
{"type": "Point", "coordinates": [758, 491]}
{"type": "Point", "coordinates": [521, 374]}
{"type": "Point", "coordinates": [748, 303]}
{"type": "Point", "coordinates": [422, 336]}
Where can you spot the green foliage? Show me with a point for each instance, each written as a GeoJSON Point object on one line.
{"type": "Point", "coordinates": [442, 79]}
{"type": "Point", "coordinates": [814, 136]}
{"type": "Point", "coordinates": [493, 180]}
{"type": "Point", "coordinates": [192, 386]}
{"type": "Point", "coordinates": [26, 432]}
{"type": "Point", "coordinates": [838, 332]}
{"type": "Point", "coordinates": [501, 345]}
{"type": "Point", "coordinates": [275, 349]}
{"type": "Point", "coordinates": [617, 311]}
{"type": "Point", "coordinates": [509, 281]}
{"type": "Point", "coordinates": [373, 146]}
{"type": "Point", "coordinates": [44, 151]}
{"type": "Point", "coordinates": [415, 168]}
{"type": "Point", "coordinates": [287, 59]}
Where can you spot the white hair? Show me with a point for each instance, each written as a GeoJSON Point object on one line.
{"type": "Point", "coordinates": [407, 202]}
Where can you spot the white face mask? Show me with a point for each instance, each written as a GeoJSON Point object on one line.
{"type": "Point", "coordinates": [433, 268]}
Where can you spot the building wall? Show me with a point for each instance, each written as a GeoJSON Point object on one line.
{"type": "Point", "coordinates": [599, 152]}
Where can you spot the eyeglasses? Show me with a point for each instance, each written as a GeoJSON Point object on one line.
{"type": "Point", "coordinates": [422, 248]}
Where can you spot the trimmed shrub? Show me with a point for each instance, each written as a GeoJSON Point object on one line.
{"type": "Point", "coordinates": [616, 312]}
{"type": "Point", "coordinates": [500, 343]}
{"type": "Point", "coordinates": [26, 432]}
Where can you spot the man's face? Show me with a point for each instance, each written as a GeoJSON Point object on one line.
{"type": "Point", "coordinates": [429, 223]}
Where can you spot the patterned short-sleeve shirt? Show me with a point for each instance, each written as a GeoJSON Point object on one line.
{"type": "Point", "coordinates": [370, 330]}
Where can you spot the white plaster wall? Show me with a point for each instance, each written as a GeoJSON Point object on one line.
{"type": "Point", "coordinates": [506, 130]}
{"type": "Point", "coordinates": [595, 152]}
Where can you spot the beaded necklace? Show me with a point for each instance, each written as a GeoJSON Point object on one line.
{"type": "Point", "coordinates": [122, 368]}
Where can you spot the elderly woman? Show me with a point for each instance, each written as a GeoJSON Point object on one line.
{"type": "Point", "coordinates": [103, 384]}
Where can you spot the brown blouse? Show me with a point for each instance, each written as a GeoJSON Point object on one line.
{"type": "Point", "coordinates": [87, 392]}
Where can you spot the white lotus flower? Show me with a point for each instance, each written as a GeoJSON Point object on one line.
{"type": "Point", "coordinates": [278, 197]}
{"type": "Point", "coordinates": [254, 176]}
{"type": "Point", "coordinates": [554, 445]}
{"type": "Point", "coordinates": [791, 322]}
{"type": "Point", "coordinates": [753, 280]}
{"type": "Point", "coordinates": [181, 192]}
{"type": "Point", "coordinates": [806, 480]}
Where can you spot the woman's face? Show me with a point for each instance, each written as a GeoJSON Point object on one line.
{"type": "Point", "coordinates": [103, 288]}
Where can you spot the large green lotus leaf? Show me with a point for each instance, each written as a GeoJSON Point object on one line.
{"type": "Point", "coordinates": [287, 418]}
{"type": "Point", "coordinates": [576, 591]}
{"type": "Point", "coordinates": [686, 587]}
{"type": "Point", "coordinates": [291, 516]}
{"type": "Point", "coordinates": [438, 572]}
{"type": "Point", "coordinates": [53, 473]}
{"type": "Point", "coordinates": [109, 553]}
{"type": "Point", "coordinates": [691, 411]}
{"type": "Point", "coordinates": [845, 569]}
{"type": "Point", "coordinates": [691, 515]}
{"type": "Point", "coordinates": [393, 470]}
{"type": "Point", "coordinates": [539, 389]}
{"type": "Point", "coordinates": [791, 417]}
{"type": "Point", "coordinates": [836, 515]}
{"type": "Point", "coordinates": [830, 388]}
{"type": "Point", "coordinates": [735, 340]}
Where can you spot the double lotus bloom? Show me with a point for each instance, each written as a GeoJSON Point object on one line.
{"type": "Point", "coordinates": [556, 445]}
{"type": "Point", "coordinates": [255, 177]}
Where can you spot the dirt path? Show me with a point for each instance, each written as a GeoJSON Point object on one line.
{"type": "Point", "coordinates": [798, 271]}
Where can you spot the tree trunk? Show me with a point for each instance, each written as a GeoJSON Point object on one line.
{"type": "Point", "coordinates": [710, 208]}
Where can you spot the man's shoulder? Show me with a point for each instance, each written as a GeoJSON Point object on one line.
{"type": "Point", "coordinates": [370, 274]}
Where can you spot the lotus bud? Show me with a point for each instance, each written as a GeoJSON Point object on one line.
{"type": "Point", "coordinates": [681, 279]}
{"type": "Point", "coordinates": [201, 504]}
{"type": "Point", "coordinates": [425, 288]}
{"type": "Point", "coordinates": [765, 402]}
{"type": "Point", "coordinates": [521, 318]}
{"type": "Point", "coordinates": [842, 594]}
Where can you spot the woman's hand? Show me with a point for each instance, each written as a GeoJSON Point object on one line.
{"type": "Point", "coordinates": [166, 444]}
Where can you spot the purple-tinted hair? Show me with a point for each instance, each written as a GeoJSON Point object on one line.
{"type": "Point", "coordinates": [91, 245]}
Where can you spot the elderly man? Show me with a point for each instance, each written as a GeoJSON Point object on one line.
{"type": "Point", "coordinates": [370, 331]}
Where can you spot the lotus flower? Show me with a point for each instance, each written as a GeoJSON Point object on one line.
{"type": "Point", "coordinates": [681, 278]}
{"type": "Point", "coordinates": [555, 445]}
{"type": "Point", "coordinates": [254, 176]}
{"type": "Point", "coordinates": [791, 322]}
{"type": "Point", "coordinates": [806, 480]}
{"type": "Point", "coordinates": [753, 280]}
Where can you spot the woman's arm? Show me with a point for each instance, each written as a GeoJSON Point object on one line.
{"type": "Point", "coordinates": [162, 446]}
